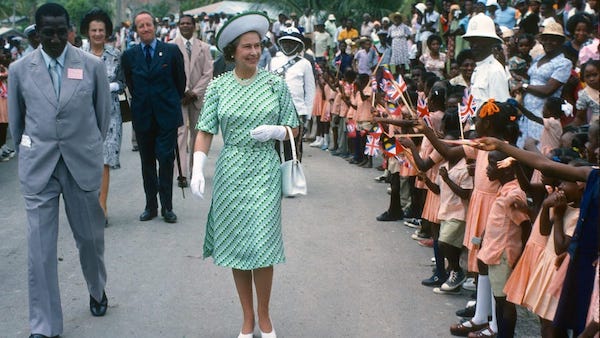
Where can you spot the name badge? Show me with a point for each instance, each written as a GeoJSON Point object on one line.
{"type": "Point", "coordinates": [75, 73]}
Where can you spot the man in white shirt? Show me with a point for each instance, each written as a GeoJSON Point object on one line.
{"type": "Point", "coordinates": [489, 79]}
{"type": "Point", "coordinates": [366, 28]}
{"type": "Point", "coordinates": [323, 41]}
{"type": "Point", "coordinates": [307, 22]}
{"type": "Point", "coordinates": [297, 71]}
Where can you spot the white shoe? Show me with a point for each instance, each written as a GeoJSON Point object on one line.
{"type": "Point", "coordinates": [317, 143]}
{"type": "Point", "coordinates": [246, 335]}
{"type": "Point", "coordinates": [469, 284]}
{"type": "Point", "coordinates": [271, 334]}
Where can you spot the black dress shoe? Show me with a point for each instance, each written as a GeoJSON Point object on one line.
{"type": "Point", "coordinates": [148, 215]}
{"type": "Point", "coordinates": [37, 335]}
{"type": "Point", "coordinates": [182, 182]}
{"type": "Point", "coordinates": [98, 309]}
{"type": "Point", "coordinates": [386, 217]}
{"type": "Point", "coordinates": [169, 216]}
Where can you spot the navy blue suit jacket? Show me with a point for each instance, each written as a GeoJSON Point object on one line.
{"type": "Point", "coordinates": [156, 89]}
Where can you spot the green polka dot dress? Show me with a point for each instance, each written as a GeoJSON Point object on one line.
{"type": "Point", "coordinates": [243, 230]}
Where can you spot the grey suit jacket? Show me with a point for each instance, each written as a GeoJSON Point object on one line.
{"type": "Point", "coordinates": [73, 126]}
{"type": "Point", "coordinates": [198, 68]}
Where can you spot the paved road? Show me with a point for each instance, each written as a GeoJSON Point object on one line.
{"type": "Point", "coordinates": [346, 274]}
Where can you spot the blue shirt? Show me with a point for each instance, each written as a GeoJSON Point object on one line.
{"type": "Point", "coordinates": [152, 47]}
{"type": "Point", "coordinates": [506, 17]}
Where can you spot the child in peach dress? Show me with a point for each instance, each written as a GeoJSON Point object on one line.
{"type": "Point", "coordinates": [502, 243]}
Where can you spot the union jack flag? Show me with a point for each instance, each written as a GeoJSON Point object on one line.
{"type": "Point", "coordinates": [467, 109]}
{"type": "Point", "coordinates": [423, 110]}
{"type": "Point", "coordinates": [373, 84]}
{"type": "Point", "coordinates": [391, 93]}
{"type": "Point", "coordinates": [387, 74]}
{"type": "Point", "coordinates": [372, 146]}
{"type": "Point", "coordinates": [401, 83]}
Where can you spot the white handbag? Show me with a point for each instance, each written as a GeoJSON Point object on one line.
{"type": "Point", "coordinates": [293, 181]}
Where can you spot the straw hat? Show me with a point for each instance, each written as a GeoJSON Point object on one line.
{"type": "Point", "coordinates": [394, 15]}
{"type": "Point", "coordinates": [553, 28]}
{"type": "Point", "coordinates": [482, 26]}
{"type": "Point", "coordinates": [240, 24]}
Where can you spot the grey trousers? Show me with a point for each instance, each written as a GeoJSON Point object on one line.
{"type": "Point", "coordinates": [86, 219]}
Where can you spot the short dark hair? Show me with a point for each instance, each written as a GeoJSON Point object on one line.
{"type": "Point", "coordinates": [576, 20]}
{"type": "Point", "coordinates": [432, 38]}
{"type": "Point", "coordinates": [50, 9]}
{"type": "Point", "coordinates": [188, 16]}
{"type": "Point", "coordinates": [96, 14]}
{"type": "Point", "coordinates": [465, 54]}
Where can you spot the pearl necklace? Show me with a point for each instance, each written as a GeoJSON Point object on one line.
{"type": "Point", "coordinates": [244, 82]}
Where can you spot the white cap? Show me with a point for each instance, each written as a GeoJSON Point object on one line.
{"type": "Point", "coordinates": [482, 26]}
{"type": "Point", "coordinates": [331, 17]}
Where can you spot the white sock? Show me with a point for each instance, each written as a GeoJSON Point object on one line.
{"type": "Point", "coordinates": [484, 293]}
{"type": "Point", "coordinates": [494, 322]}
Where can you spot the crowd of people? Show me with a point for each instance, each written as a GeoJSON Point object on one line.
{"type": "Point", "coordinates": [484, 116]}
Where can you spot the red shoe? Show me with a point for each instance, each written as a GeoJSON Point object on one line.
{"type": "Point", "coordinates": [426, 243]}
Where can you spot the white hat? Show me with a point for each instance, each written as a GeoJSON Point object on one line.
{"type": "Point", "coordinates": [291, 33]}
{"type": "Point", "coordinates": [29, 29]}
{"type": "Point", "coordinates": [240, 24]}
{"type": "Point", "coordinates": [491, 3]}
{"type": "Point", "coordinates": [482, 26]}
{"type": "Point", "coordinates": [331, 17]}
{"type": "Point", "coordinates": [385, 19]}
{"type": "Point", "coordinates": [421, 7]}
{"type": "Point", "coordinates": [507, 32]}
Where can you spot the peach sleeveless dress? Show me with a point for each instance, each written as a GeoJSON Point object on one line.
{"type": "Point", "coordinates": [482, 198]}
{"type": "Point", "coordinates": [537, 298]}
{"type": "Point", "coordinates": [517, 282]}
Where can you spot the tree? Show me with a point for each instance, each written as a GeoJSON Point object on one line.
{"type": "Point", "coordinates": [78, 8]}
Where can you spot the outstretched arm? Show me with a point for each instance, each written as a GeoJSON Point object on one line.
{"type": "Point", "coordinates": [535, 160]}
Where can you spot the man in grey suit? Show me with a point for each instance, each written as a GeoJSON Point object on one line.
{"type": "Point", "coordinates": [59, 104]}
{"type": "Point", "coordinates": [198, 73]}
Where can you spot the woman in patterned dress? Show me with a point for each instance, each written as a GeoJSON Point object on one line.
{"type": "Point", "coordinates": [97, 26]}
{"type": "Point", "coordinates": [399, 33]}
{"type": "Point", "coordinates": [251, 107]}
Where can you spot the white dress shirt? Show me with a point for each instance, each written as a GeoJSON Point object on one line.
{"type": "Point", "coordinates": [300, 81]}
{"type": "Point", "coordinates": [489, 81]}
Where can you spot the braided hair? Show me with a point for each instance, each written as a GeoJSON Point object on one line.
{"type": "Point", "coordinates": [498, 119]}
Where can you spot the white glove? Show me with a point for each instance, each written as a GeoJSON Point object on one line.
{"type": "Point", "coordinates": [267, 132]}
{"type": "Point", "coordinates": [197, 184]}
{"type": "Point", "coordinates": [114, 87]}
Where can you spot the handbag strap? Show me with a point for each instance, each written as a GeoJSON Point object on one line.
{"type": "Point", "coordinates": [292, 144]}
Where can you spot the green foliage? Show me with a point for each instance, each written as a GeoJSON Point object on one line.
{"type": "Point", "coordinates": [78, 8]}
{"type": "Point", "coordinates": [341, 8]}
{"type": "Point", "coordinates": [160, 9]}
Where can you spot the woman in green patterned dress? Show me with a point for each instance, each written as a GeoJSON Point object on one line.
{"type": "Point", "coordinates": [251, 107]}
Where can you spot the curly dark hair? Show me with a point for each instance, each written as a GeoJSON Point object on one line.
{"type": "Point", "coordinates": [432, 38]}
{"type": "Point", "coordinates": [577, 19]}
{"type": "Point", "coordinates": [96, 14]}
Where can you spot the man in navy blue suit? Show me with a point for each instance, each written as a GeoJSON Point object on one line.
{"type": "Point", "coordinates": [154, 72]}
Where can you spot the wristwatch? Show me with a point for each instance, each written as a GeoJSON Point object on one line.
{"type": "Point", "coordinates": [525, 86]}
